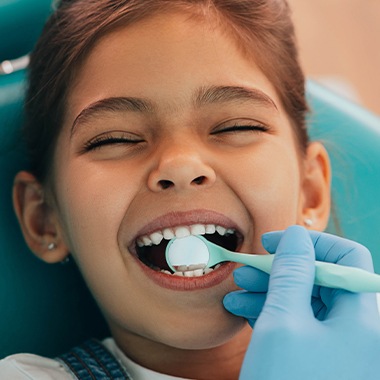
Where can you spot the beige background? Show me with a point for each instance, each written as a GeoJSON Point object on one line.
{"type": "Point", "coordinates": [339, 44]}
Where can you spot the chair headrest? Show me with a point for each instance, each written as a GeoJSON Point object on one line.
{"type": "Point", "coordinates": [45, 309]}
{"type": "Point", "coordinates": [21, 22]}
{"type": "Point", "coordinates": [351, 135]}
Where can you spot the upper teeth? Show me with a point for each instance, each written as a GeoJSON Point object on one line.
{"type": "Point", "coordinates": [156, 237]}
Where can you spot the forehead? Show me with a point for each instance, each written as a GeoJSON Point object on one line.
{"type": "Point", "coordinates": [169, 57]}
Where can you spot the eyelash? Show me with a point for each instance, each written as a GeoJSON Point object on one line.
{"type": "Point", "coordinates": [108, 139]}
{"type": "Point", "coordinates": [242, 128]}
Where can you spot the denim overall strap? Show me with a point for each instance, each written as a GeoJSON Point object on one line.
{"type": "Point", "coordinates": [92, 361]}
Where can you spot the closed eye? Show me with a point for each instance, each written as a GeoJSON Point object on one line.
{"type": "Point", "coordinates": [109, 139]}
{"type": "Point", "coordinates": [241, 128]}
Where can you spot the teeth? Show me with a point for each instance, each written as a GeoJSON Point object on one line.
{"type": "Point", "coordinates": [182, 231]}
{"type": "Point", "coordinates": [194, 267]}
{"type": "Point", "coordinates": [210, 229]}
{"type": "Point", "coordinates": [221, 230]}
{"type": "Point", "coordinates": [194, 270]}
{"type": "Point", "coordinates": [156, 238]}
{"type": "Point", "coordinates": [147, 241]}
{"type": "Point", "coordinates": [190, 268]}
{"type": "Point", "coordinates": [198, 229]}
{"type": "Point", "coordinates": [181, 268]}
{"type": "Point", "coordinates": [191, 273]}
{"type": "Point", "coordinates": [168, 234]}
{"type": "Point", "coordinates": [198, 272]}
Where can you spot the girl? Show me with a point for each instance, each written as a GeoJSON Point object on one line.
{"type": "Point", "coordinates": [148, 119]}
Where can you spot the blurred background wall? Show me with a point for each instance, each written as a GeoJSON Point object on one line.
{"type": "Point", "coordinates": [339, 44]}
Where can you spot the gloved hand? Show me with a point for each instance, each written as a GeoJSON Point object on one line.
{"type": "Point", "coordinates": [305, 332]}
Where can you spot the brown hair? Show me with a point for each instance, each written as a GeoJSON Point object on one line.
{"type": "Point", "coordinates": [258, 26]}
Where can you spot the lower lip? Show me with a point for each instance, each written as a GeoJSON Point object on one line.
{"type": "Point", "coordinates": [180, 283]}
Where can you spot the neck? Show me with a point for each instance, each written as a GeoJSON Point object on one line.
{"type": "Point", "coordinates": [222, 362]}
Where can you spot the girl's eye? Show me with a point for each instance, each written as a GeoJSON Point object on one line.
{"type": "Point", "coordinates": [109, 139]}
{"type": "Point", "coordinates": [241, 128]}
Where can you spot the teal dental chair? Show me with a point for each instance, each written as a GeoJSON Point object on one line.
{"type": "Point", "coordinates": [351, 135]}
{"type": "Point", "coordinates": [21, 22]}
{"type": "Point", "coordinates": [46, 309]}
{"type": "Point", "coordinates": [43, 309]}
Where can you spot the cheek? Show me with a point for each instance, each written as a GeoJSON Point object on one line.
{"type": "Point", "coordinates": [93, 200]}
{"type": "Point", "coordinates": [268, 182]}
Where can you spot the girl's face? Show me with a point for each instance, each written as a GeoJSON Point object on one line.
{"type": "Point", "coordinates": [170, 128]}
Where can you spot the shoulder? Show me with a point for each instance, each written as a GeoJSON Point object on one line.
{"type": "Point", "coordinates": [32, 367]}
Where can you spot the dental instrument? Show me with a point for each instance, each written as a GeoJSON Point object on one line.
{"type": "Point", "coordinates": [195, 252]}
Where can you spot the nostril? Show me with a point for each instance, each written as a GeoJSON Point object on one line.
{"type": "Point", "coordinates": [165, 184]}
{"type": "Point", "coordinates": [199, 180]}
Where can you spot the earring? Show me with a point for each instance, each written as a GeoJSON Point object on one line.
{"type": "Point", "coordinates": [65, 261]}
{"type": "Point", "coordinates": [51, 246]}
{"type": "Point", "coordinates": [308, 222]}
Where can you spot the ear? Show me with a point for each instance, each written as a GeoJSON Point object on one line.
{"type": "Point", "coordinates": [38, 220]}
{"type": "Point", "coordinates": [315, 200]}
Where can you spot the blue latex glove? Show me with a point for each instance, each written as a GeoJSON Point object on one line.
{"type": "Point", "coordinates": [304, 331]}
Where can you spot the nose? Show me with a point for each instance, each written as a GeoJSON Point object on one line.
{"type": "Point", "coordinates": [179, 168]}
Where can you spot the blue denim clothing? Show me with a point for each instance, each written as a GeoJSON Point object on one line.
{"type": "Point", "coordinates": [92, 361]}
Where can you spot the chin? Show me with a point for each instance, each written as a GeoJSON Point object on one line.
{"type": "Point", "coordinates": [202, 335]}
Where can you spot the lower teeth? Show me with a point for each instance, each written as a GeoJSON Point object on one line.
{"type": "Point", "coordinates": [191, 273]}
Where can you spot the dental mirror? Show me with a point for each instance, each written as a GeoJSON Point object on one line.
{"type": "Point", "coordinates": [195, 252]}
{"type": "Point", "coordinates": [185, 253]}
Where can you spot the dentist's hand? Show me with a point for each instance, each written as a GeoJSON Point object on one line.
{"type": "Point", "coordinates": [303, 331]}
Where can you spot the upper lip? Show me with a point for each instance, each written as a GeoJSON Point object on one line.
{"type": "Point", "coordinates": [186, 218]}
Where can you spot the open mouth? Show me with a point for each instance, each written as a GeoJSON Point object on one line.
{"type": "Point", "coordinates": [151, 248]}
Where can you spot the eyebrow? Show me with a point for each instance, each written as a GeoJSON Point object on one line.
{"type": "Point", "coordinates": [223, 94]}
{"type": "Point", "coordinates": [112, 105]}
{"type": "Point", "coordinates": [204, 96]}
